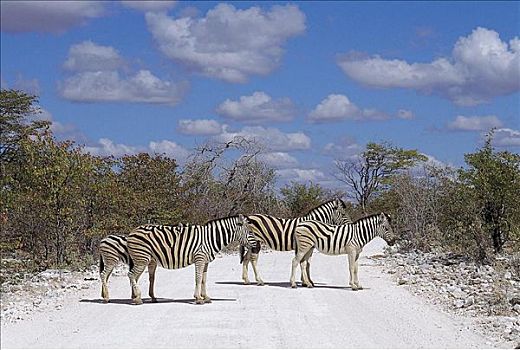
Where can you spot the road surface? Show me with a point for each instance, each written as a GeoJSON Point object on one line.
{"type": "Point", "coordinates": [383, 315]}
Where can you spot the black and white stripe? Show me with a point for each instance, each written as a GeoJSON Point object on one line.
{"type": "Point", "coordinates": [344, 239]}
{"type": "Point", "coordinates": [174, 247]}
{"type": "Point", "coordinates": [112, 250]}
{"type": "Point", "coordinates": [278, 233]}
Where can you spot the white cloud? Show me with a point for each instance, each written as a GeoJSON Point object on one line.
{"type": "Point", "coordinates": [89, 56]}
{"type": "Point", "coordinates": [336, 107]}
{"type": "Point", "coordinates": [47, 16]}
{"type": "Point", "coordinates": [279, 160]}
{"type": "Point", "coordinates": [107, 147]}
{"type": "Point", "coordinates": [482, 66]}
{"type": "Point", "coordinates": [272, 138]}
{"type": "Point", "coordinates": [171, 149]}
{"type": "Point", "coordinates": [228, 43]}
{"type": "Point", "coordinates": [199, 127]}
{"type": "Point", "coordinates": [97, 77]}
{"type": "Point", "coordinates": [111, 87]}
{"type": "Point", "coordinates": [462, 123]}
{"type": "Point", "coordinates": [301, 175]}
{"type": "Point", "coordinates": [505, 137]}
{"type": "Point", "coordinates": [343, 149]}
{"type": "Point", "coordinates": [257, 108]}
{"type": "Point", "coordinates": [149, 5]}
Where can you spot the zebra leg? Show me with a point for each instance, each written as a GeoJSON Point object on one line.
{"type": "Point", "coordinates": [254, 260]}
{"type": "Point", "coordinates": [199, 271]}
{"type": "Point", "coordinates": [204, 294]}
{"type": "Point", "coordinates": [351, 266]}
{"type": "Point", "coordinates": [356, 265]}
{"type": "Point", "coordinates": [152, 267]}
{"type": "Point", "coordinates": [105, 274]}
{"type": "Point", "coordinates": [305, 270]}
{"type": "Point", "coordinates": [295, 261]}
{"type": "Point", "coordinates": [245, 262]}
{"type": "Point", "coordinates": [134, 275]}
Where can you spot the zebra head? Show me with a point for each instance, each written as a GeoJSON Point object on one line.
{"type": "Point", "coordinates": [245, 235]}
{"type": "Point", "coordinates": [385, 230]}
{"type": "Point", "coordinates": [339, 214]}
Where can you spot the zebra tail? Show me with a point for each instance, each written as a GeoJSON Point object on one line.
{"type": "Point", "coordinates": [101, 264]}
{"type": "Point", "coordinates": [242, 251]}
{"type": "Point", "coordinates": [130, 263]}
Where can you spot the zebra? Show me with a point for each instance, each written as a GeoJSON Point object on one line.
{"type": "Point", "coordinates": [335, 240]}
{"type": "Point", "coordinates": [278, 233]}
{"type": "Point", "coordinates": [177, 247]}
{"type": "Point", "coordinates": [112, 250]}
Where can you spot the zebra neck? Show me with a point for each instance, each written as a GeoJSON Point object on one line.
{"type": "Point", "coordinates": [222, 232]}
{"type": "Point", "coordinates": [321, 213]}
{"type": "Point", "coordinates": [366, 230]}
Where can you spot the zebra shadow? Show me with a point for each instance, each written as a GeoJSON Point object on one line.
{"type": "Point", "coordinates": [317, 285]}
{"type": "Point", "coordinates": [149, 301]}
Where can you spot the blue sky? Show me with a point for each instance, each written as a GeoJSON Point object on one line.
{"type": "Point", "coordinates": [313, 81]}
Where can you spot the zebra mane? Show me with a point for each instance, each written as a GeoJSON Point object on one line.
{"type": "Point", "coordinates": [325, 203]}
{"type": "Point", "coordinates": [372, 216]}
{"type": "Point", "coordinates": [220, 219]}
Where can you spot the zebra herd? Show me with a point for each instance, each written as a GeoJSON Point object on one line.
{"type": "Point", "coordinates": [328, 228]}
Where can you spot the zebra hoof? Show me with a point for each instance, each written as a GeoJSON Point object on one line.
{"type": "Point", "coordinates": [293, 285]}
{"type": "Point", "coordinates": [154, 300]}
{"type": "Point", "coordinates": [199, 301]}
{"type": "Point", "coordinates": [105, 301]}
{"type": "Point", "coordinates": [138, 302]}
{"type": "Point", "coordinates": [260, 283]}
{"type": "Point", "coordinates": [207, 300]}
{"type": "Point", "coordinates": [246, 282]}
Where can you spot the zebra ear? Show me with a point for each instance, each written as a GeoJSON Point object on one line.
{"type": "Point", "coordinates": [241, 218]}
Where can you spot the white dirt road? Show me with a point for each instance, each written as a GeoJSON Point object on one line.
{"type": "Point", "coordinates": [383, 315]}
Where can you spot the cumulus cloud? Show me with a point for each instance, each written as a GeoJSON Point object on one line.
{"type": "Point", "coordinates": [343, 149]}
{"type": "Point", "coordinates": [199, 127]}
{"type": "Point", "coordinates": [88, 56]}
{"type": "Point", "coordinates": [301, 175]}
{"type": "Point", "coordinates": [171, 149]}
{"type": "Point", "coordinates": [336, 107]}
{"type": "Point", "coordinates": [462, 123]}
{"type": "Point", "coordinates": [505, 137]}
{"type": "Point", "coordinates": [482, 66]}
{"type": "Point", "coordinates": [97, 77]}
{"type": "Point", "coordinates": [228, 43]}
{"type": "Point", "coordinates": [149, 5]}
{"type": "Point", "coordinates": [273, 139]}
{"type": "Point", "coordinates": [107, 147]}
{"type": "Point", "coordinates": [257, 108]}
{"type": "Point", "coordinates": [279, 160]}
{"type": "Point", "coordinates": [47, 16]}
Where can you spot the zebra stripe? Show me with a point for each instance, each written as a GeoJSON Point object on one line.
{"type": "Point", "coordinates": [344, 239]}
{"type": "Point", "coordinates": [278, 233]}
{"type": "Point", "coordinates": [112, 250]}
{"type": "Point", "coordinates": [175, 247]}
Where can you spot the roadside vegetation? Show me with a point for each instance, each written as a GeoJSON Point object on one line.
{"type": "Point", "coordinates": [58, 201]}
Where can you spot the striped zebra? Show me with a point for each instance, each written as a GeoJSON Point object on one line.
{"type": "Point", "coordinates": [277, 233]}
{"type": "Point", "coordinates": [335, 240]}
{"type": "Point", "coordinates": [174, 247]}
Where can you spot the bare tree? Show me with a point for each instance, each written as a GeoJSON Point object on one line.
{"type": "Point", "coordinates": [225, 178]}
{"type": "Point", "coordinates": [368, 173]}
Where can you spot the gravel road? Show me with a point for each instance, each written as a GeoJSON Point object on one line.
{"type": "Point", "coordinates": [383, 315]}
